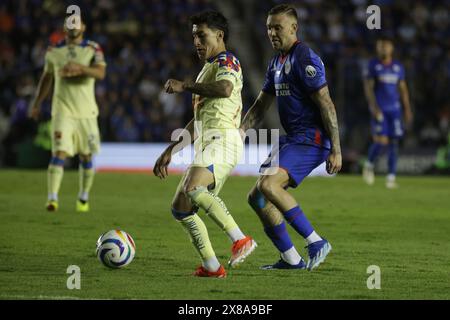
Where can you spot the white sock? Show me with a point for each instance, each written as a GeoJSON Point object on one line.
{"type": "Point", "coordinates": [235, 234]}
{"type": "Point", "coordinates": [211, 264]}
{"type": "Point", "coordinates": [390, 177]}
{"type": "Point", "coordinates": [83, 196]}
{"type": "Point", "coordinates": [313, 237]}
{"type": "Point", "coordinates": [53, 197]}
{"type": "Point", "coordinates": [291, 256]}
{"type": "Point", "coordinates": [368, 164]}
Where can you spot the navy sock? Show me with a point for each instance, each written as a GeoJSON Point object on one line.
{"type": "Point", "coordinates": [297, 219]}
{"type": "Point", "coordinates": [374, 152]}
{"type": "Point", "coordinates": [392, 157]}
{"type": "Point", "coordinates": [279, 236]}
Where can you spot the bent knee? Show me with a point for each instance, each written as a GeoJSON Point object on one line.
{"type": "Point", "coordinates": [181, 203]}
{"type": "Point", "coordinates": [85, 158]}
{"type": "Point", "coordinates": [266, 187]}
{"type": "Point", "coordinates": [383, 140]}
{"type": "Point", "coordinates": [191, 192]}
{"type": "Point", "coordinates": [60, 155]}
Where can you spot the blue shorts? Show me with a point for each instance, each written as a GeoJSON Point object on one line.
{"type": "Point", "coordinates": [296, 158]}
{"type": "Point", "coordinates": [391, 125]}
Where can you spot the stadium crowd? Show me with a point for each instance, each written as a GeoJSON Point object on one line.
{"type": "Point", "coordinates": [142, 47]}
{"type": "Point", "coordinates": [145, 47]}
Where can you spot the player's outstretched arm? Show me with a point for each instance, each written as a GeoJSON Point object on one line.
{"type": "Point", "coordinates": [184, 139]}
{"type": "Point", "coordinates": [369, 85]}
{"type": "Point", "coordinates": [217, 89]}
{"type": "Point", "coordinates": [255, 114]}
{"type": "Point", "coordinates": [42, 91]}
{"type": "Point", "coordinates": [404, 96]}
{"type": "Point", "coordinates": [328, 111]}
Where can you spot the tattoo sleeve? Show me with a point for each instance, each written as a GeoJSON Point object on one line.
{"type": "Point", "coordinates": [218, 89]}
{"type": "Point", "coordinates": [328, 112]}
{"type": "Point", "coordinates": [255, 114]}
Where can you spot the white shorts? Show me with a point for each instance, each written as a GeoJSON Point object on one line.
{"type": "Point", "coordinates": [220, 152]}
{"type": "Point", "coordinates": [75, 136]}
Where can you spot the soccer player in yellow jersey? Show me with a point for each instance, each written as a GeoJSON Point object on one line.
{"type": "Point", "coordinates": [217, 106]}
{"type": "Point", "coordinates": [73, 66]}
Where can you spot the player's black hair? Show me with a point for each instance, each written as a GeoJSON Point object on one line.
{"type": "Point", "coordinates": [284, 8]}
{"type": "Point", "coordinates": [213, 19]}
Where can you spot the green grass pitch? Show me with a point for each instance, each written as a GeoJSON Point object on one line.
{"type": "Point", "coordinates": [406, 232]}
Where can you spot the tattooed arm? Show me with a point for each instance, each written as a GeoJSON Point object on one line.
{"type": "Point", "coordinates": [217, 89]}
{"type": "Point", "coordinates": [323, 100]}
{"type": "Point", "coordinates": [255, 114]}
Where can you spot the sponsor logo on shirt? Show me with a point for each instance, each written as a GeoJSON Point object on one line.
{"type": "Point", "coordinates": [390, 78]}
{"type": "Point", "coordinates": [282, 89]}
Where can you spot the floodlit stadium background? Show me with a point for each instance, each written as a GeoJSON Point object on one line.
{"type": "Point", "coordinates": [146, 42]}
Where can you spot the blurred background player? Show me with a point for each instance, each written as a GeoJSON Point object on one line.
{"type": "Point", "coordinates": [296, 78]}
{"type": "Point", "coordinates": [72, 65]}
{"type": "Point", "coordinates": [386, 92]}
{"type": "Point", "coordinates": [217, 106]}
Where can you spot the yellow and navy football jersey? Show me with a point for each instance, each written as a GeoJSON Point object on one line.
{"type": "Point", "coordinates": [73, 97]}
{"type": "Point", "coordinates": [220, 113]}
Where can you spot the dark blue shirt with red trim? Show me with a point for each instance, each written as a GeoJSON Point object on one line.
{"type": "Point", "coordinates": [292, 79]}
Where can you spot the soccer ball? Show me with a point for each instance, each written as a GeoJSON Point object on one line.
{"type": "Point", "coordinates": [115, 249]}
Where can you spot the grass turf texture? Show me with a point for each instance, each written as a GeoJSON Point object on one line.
{"type": "Point", "coordinates": [405, 232]}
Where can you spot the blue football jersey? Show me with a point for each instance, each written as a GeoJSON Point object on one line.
{"type": "Point", "coordinates": [386, 79]}
{"type": "Point", "coordinates": [292, 78]}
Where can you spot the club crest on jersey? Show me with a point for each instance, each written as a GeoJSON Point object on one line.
{"type": "Point", "coordinates": [310, 71]}
{"type": "Point", "coordinates": [287, 67]}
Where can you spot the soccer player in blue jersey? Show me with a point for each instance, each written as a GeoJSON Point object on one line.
{"type": "Point", "coordinates": [386, 92]}
{"type": "Point", "coordinates": [296, 79]}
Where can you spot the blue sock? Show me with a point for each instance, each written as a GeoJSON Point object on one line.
{"type": "Point", "coordinates": [279, 236]}
{"type": "Point", "coordinates": [392, 157]}
{"type": "Point", "coordinates": [87, 165]}
{"type": "Point", "coordinates": [297, 219]}
{"type": "Point", "coordinates": [374, 152]}
{"type": "Point", "coordinates": [56, 161]}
